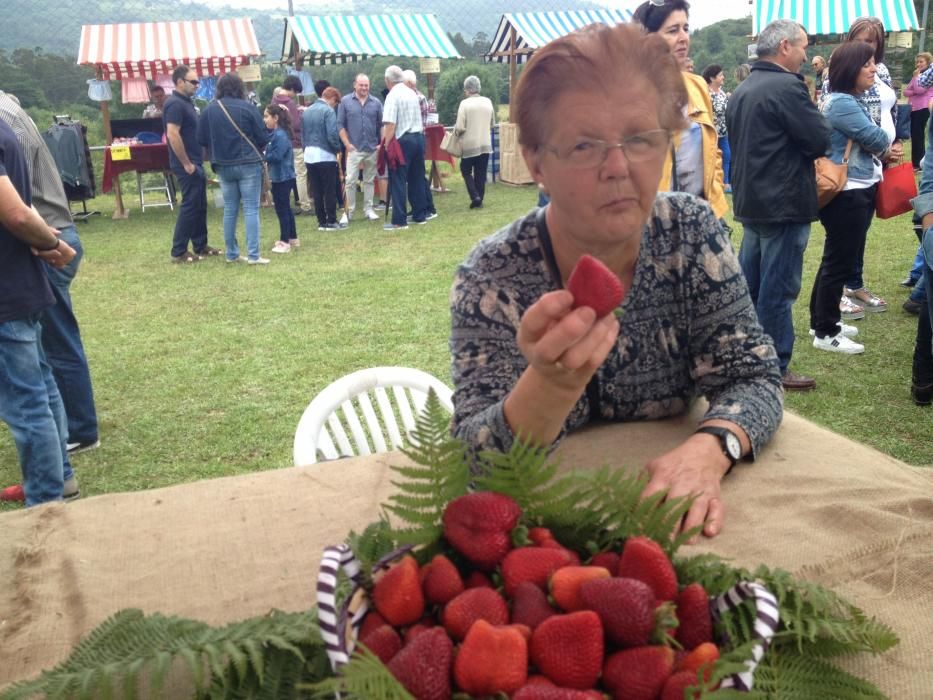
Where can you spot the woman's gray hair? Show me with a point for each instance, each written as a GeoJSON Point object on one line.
{"type": "Point", "coordinates": [769, 41]}
{"type": "Point", "coordinates": [471, 85]}
{"type": "Point", "coordinates": [394, 74]}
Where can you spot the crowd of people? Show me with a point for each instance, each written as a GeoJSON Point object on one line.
{"type": "Point", "coordinates": [639, 184]}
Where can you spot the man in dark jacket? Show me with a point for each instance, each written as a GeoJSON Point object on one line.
{"type": "Point", "coordinates": [776, 132]}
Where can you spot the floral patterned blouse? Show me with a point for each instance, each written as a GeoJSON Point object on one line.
{"type": "Point", "coordinates": [720, 101]}
{"type": "Point", "coordinates": [689, 328]}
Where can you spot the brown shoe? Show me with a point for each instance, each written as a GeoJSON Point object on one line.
{"type": "Point", "coordinates": [797, 382]}
{"type": "Point", "coordinates": [207, 251]}
{"type": "Point", "coordinates": [185, 257]}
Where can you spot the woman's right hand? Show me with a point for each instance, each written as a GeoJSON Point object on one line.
{"type": "Point", "coordinates": [565, 346]}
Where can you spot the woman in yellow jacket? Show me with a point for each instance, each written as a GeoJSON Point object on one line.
{"type": "Point", "coordinates": [698, 158]}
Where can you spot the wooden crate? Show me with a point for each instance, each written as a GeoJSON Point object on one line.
{"type": "Point", "coordinates": [513, 171]}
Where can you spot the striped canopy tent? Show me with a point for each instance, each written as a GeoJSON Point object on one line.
{"type": "Point", "coordinates": [328, 39]}
{"type": "Point", "coordinates": [147, 49]}
{"type": "Point", "coordinates": [835, 16]}
{"type": "Point", "coordinates": [521, 33]}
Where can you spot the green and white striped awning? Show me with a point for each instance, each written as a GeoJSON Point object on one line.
{"type": "Point", "coordinates": [835, 16]}
{"type": "Point", "coordinates": [326, 39]}
{"type": "Point", "coordinates": [535, 29]}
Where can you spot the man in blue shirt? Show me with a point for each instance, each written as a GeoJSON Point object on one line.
{"type": "Point", "coordinates": [185, 157]}
{"type": "Point", "coordinates": [29, 400]}
{"type": "Point", "coordinates": [359, 119]}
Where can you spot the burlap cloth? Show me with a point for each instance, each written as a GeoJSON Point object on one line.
{"type": "Point", "coordinates": [815, 503]}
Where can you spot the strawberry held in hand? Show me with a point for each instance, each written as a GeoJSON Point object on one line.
{"type": "Point", "coordinates": [595, 285]}
{"type": "Point", "coordinates": [479, 526]}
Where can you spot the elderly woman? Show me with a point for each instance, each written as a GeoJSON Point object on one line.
{"type": "Point", "coordinates": [322, 146]}
{"type": "Point", "coordinates": [233, 132]}
{"type": "Point", "coordinates": [694, 164]}
{"type": "Point", "coordinates": [475, 119]}
{"type": "Point", "coordinates": [526, 363]}
{"type": "Point", "coordinates": [847, 217]}
{"type": "Point", "coordinates": [715, 78]}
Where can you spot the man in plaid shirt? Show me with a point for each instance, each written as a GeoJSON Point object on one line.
{"type": "Point", "coordinates": [401, 118]}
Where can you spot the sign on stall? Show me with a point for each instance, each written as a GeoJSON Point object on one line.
{"type": "Point", "coordinates": [250, 73]}
{"type": "Point", "coordinates": [430, 65]}
{"type": "Point", "coordinates": [120, 153]}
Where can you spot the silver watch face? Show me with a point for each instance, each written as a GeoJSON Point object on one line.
{"type": "Point", "coordinates": [733, 446]}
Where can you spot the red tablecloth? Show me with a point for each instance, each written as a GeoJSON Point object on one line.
{"type": "Point", "coordinates": [143, 158]}
{"type": "Point", "coordinates": [433, 135]}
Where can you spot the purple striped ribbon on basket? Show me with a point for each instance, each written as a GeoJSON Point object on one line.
{"type": "Point", "coordinates": [766, 624]}
{"type": "Point", "coordinates": [333, 623]}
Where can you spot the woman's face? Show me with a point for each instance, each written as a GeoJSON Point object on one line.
{"type": "Point", "coordinates": [921, 63]}
{"type": "Point", "coordinates": [866, 77]}
{"type": "Point", "coordinates": [867, 36]}
{"type": "Point", "coordinates": [270, 121]}
{"type": "Point", "coordinates": [602, 207]}
{"type": "Point", "coordinates": [719, 80]}
{"type": "Point", "coordinates": [676, 32]}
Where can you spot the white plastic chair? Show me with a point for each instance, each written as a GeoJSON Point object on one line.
{"type": "Point", "coordinates": [341, 406]}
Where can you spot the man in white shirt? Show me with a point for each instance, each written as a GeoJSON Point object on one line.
{"type": "Point", "coordinates": [401, 118]}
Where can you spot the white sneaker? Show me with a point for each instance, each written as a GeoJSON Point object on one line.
{"type": "Point", "coordinates": [258, 261]}
{"type": "Point", "coordinates": [281, 247]}
{"type": "Point", "coordinates": [844, 328]}
{"type": "Point", "coordinates": [344, 220]}
{"type": "Point", "coordinates": [838, 343]}
{"type": "Point", "coordinates": [372, 216]}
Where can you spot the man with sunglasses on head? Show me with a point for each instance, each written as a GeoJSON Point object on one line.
{"type": "Point", "coordinates": [186, 159]}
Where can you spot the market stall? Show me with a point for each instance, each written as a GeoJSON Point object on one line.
{"type": "Point", "coordinates": [147, 50]}
{"type": "Point", "coordinates": [819, 17]}
{"type": "Point", "coordinates": [518, 36]}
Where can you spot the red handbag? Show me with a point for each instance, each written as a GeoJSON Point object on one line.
{"type": "Point", "coordinates": [897, 187]}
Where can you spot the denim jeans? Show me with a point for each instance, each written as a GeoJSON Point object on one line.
{"type": "Point", "coordinates": [31, 405]}
{"type": "Point", "coordinates": [283, 209]}
{"type": "Point", "coordinates": [771, 257]}
{"type": "Point", "coordinates": [61, 341]}
{"type": "Point", "coordinates": [191, 224]}
{"type": "Point", "coordinates": [726, 158]}
{"type": "Point", "coordinates": [923, 347]}
{"type": "Point", "coordinates": [241, 182]}
{"type": "Point", "coordinates": [407, 181]}
{"type": "Point", "coordinates": [323, 179]}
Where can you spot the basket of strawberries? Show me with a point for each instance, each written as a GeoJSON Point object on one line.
{"type": "Point", "coordinates": [541, 586]}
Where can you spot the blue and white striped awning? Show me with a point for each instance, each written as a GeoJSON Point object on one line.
{"type": "Point", "coordinates": [835, 16]}
{"type": "Point", "coordinates": [535, 29]}
{"type": "Point", "coordinates": [326, 39]}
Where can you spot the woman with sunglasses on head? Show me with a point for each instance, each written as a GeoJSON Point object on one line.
{"type": "Point", "coordinates": [694, 164]}
{"type": "Point", "coordinates": [525, 362]}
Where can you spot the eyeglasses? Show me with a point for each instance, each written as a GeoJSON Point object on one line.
{"type": "Point", "coordinates": [192, 82]}
{"type": "Point", "coordinates": [592, 153]}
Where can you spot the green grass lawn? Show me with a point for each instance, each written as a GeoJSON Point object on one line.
{"type": "Point", "coordinates": [203, 370]}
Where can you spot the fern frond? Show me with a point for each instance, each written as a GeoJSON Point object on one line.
{"type": "Point", "coordinates": [783, 676]}
{"type": "Point", "coordinates": [364, 678]}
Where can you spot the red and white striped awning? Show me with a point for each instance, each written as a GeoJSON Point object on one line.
{"type": "Point", "coordinates": [148, 49]}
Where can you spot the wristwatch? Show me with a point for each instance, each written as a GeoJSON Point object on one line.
{"type": "Point", "coordinates": [729, 441]}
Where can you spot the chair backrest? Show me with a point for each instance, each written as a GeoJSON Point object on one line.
{"type": "Point", "coordinates": [359, 415]}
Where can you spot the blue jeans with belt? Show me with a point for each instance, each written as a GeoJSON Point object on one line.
{"type": "Point", "coordinates": [241, 182]}
{"type": "Point", "coordinates": [771, 257]}
{"type": "Point", "coordinates": [31, 405]}
{"type": "Point", "coordinates": [61, 341]}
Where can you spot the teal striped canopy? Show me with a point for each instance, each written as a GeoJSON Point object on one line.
{"type": "Point", "coordinates": [326, 39]}
{"type": "Point", "coordinates": [835, 16]}
{"type": "Point", "coordinates": [535, 29]}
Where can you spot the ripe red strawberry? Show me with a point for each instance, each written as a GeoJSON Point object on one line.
{"type": "Point", "coordinates": [477, 579]}
{"type": "Point", "coordinates": [568, 649]}
{"type": "Point", "coordinates": [472, 605]}
{"type": "Point", "coordinates": [543, 692]}
{"type": "Point", "coordinates": [533, 564]}
{"type": "Point", "coordinates": [384, 642]}
{"type": "Point", "coordinates": [442, 582]}
{"type": "Point", "coordinates": [397, 594]}
{"type": "Point", "coordinates": [565, 585]}
{"type": "Point", "coordinates": [607, 560]}
{"type": "Point", "coordinates": [530, 605]}
{"type": "Point", "coordinates": [643, 558]}
{"type": "Point", "coordinates": [626, 608]}
{"type": "Point", "coordinates": [639, 673]}
{"type": "Point", "coordinates": [373, 620]}
{"type": "Point", "coordinates": [426, 623]}
{"type": "Point", "coordinates": [703, 656]}
{"type": "Point", "coordinates": [696, 623]}
{"type": "Point", "coordinates": [491, 660]}
{"type": "Point", "coordinates": [479, 526]}
{"type": "Point", "coordinates": [595, 285]}
{"type": "Point", "coordinates": [675, 687]}
{"type": "Point", "coordinates": [423, 665]}
{"type": "Point", "coordinates": [539, 535]}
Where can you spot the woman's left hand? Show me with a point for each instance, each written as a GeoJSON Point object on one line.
{"type": "Point", "coordinates": [694, 467]}
{"type": "Point", "coordinates": [896, 152]}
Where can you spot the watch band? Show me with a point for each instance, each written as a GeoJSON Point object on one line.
{"type": "Point", "coordinates": [722, 435]}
